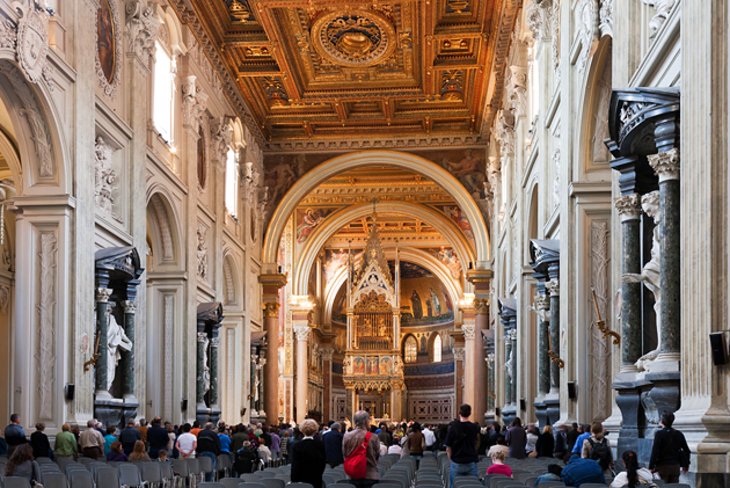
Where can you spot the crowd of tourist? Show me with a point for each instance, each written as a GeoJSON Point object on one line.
{"type": "Point", "coordinates": [582, 453]}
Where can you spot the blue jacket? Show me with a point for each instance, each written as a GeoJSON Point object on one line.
{"type": "Point", "coordinates": [333, 447]}
{"type": "Point", "coordinates": [579, 471]}
{"type": "Point", "coordinates": [578, 447]}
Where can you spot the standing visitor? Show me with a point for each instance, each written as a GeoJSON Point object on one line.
{"type": "Point", "coordinates": [186, 443]}
{"type": "Point", "coordinates": [461, 446]}
{"type": "Point", "coordinates": [308, 457]}
{"type": "Point", "coordinates": [157, 437]}
{"type": "Point", "coordinates": [209, 446]}
{"type": "Point", "coordinates": [596, 447]}
{"type": "Point", "coordinates": [66, 445]}
{"type": "Point", "coordinates": [91, 441]}
{"type": "Point", "coordinates": [14, 434]}
{"type": "Point", "coordinates": [40, 443]}
{"type": "Point", "coordinates": [128, 436]}
{"type": "Point", "coordinates": [516, 438]}
{"type": "Point", "coordinates": [670, 452]}
{"type": "Point", "coordinates": [359, 443]}
{"type": "Point", "coordinates": [545, 445]}
{"type": "Point", "coordinates": [333, 445]}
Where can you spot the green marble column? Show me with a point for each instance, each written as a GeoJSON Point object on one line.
{"type": "Point", "coordinates": [629, 209]}
{"type": "Point", "coordinates": [214, 343]}
{"type": "Point", "coordinates": [128, 356]}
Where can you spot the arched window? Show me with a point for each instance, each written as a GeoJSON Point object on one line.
{"type": "Point", "coordinates": [437, 349]}
{"type": "Point", "coordinates": [163, 95]}
{"type": "Point", "coordinates": [232, 183]}
{"type": "Point", "coordinates": [411, 350]}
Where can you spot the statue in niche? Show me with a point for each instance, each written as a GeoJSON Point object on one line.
{"type": "Point", "coordinates": [510, 367]}
{"type": "Point", "coordinates": [416, 305]}
{"type": "Point", "coordinates": [116, 338]}
{"type": "Point", "coordinates": [650, 273]}
{"type": "Point", "coordinates": [202, 254]}
{"type": "Point", "coordinates": [206, 367]}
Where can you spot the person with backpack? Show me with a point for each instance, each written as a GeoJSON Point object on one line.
{"type": "Point", "coordinates": [361, 450]}
{"type": "Point", "coordinates": [596, 447]}
{"type": "Point", "coordinates": [669, 452]}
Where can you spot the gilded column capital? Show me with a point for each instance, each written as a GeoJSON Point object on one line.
{"type": "Point", "coordinates": [628, 206]}
{"type": "Point", "coordinates": [665, 164]}
{"type": "Point", "coordinates": [481, 306]}
{"type": "Point", "coordinates": [271, 310]}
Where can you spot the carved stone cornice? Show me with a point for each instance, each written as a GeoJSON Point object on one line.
{"type": "Point", "coordinates": [213, 53]}
{"type": "Point", "coordinates": [605, 18]}
{"type": "Point", "coordinates": [537, 16]}
{"type": "Point", "coordinates": [628, 207]}
{"type": "Point", "coordinates": [352, 143]}
{"type": "Point", "coordinates": [661, 14]}
{"type": "Point", "coordinates": [665, 164]}
{"type": "Point", "coordinates": [142, 26]}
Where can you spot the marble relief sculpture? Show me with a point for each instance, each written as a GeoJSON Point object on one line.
{"type": "Point", "coordinates": [116, 339]}
{"type": "Point", "coordinates": [650, 273]}
{"type": "Point", "coordinates": [662, 7]}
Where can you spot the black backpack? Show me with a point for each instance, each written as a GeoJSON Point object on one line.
{"type": "Point", "coordinates": [601, 452]}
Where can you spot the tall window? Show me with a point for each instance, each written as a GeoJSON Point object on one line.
{"type": "Point", "coordinates": [232, 183]}
{"type": "Point", "coordinates": [437, 349]}
{"type": "Point", "coordinates": [163, 94]}
{"type": "Point", "coordinates": [411, 350]}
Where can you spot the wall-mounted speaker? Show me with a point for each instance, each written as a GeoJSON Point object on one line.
{"type": "Point", "coordinates": [718, 344]}
{"type": "Point", "coordinates": [497, 411]}
{"type": "Point", "coordinates": [523, 404]}
{"type": "Point", "coordinates": [70, 391]}
{"type": "Point", "coordinates": [572, 393]}
{"type": "Point", "coordinates": [184, 405]}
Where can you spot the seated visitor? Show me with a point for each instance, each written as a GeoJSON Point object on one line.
{"type": "Point", "coordinates": [498, 467]}
{"type": "Point", "coordinates": [20, 463]}
{"type": "Point", "coordinates": [582, 470]}
{"type": "Point", "coordinates": [553, 474]}
{"type": "Point", "coordinates": [634, 476]}
{"type": "Point", "coordinates": [139, 453]}
{"type": "Point", "coordinates": [116, 453]}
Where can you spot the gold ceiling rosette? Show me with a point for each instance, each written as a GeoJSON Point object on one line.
{"type": "Point", "coordinates": [356, 38]}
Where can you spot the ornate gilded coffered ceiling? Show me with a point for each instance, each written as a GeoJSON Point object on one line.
{"type": "Point", "coordinates": [334, 69]}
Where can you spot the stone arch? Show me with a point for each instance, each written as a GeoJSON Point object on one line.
{"type": "Point", "coordinates": [435, 335]}
{"type": "Point", "coordinates": [411, 255]}
{"type": "Point", "coordinates": [531, 227]}
{"type": "Point", "coordinates": [404, 343]}
{"type": "Point", "coordinates": [34, 118]}
{"type": "Point", "coordinates": [595, 97]}
{"type": "Point", "coordinates": [162, 230]}
{"type": "Point", "coordinates": [231, 286]}
{"type": "Point", "coordinates": [335, 221]}
{"type": "Point", "coordinates": [345, 162]}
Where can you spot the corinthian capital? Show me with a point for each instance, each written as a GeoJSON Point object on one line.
{"type": "Point", "coordinates": [469, 331]}
{"type": "Point", "coordinates": [666, 164]}
{"type": "Point", "coordinates": [302, 332]}
{"type": "Point", "coordinates": [628, 206]}
{"type": "Point", "coordinates": [142, 28]}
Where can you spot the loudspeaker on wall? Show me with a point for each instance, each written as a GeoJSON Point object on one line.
{"type": "Point", "coordinates": [718, 344]}
{"type": "Point", "coordinates": [572, 393]}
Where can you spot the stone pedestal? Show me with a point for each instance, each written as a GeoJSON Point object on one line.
{"type": "Point", "coordinates": [209, 319]}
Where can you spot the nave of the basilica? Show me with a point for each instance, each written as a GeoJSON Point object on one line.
{"type": "Point", "coordinates": [271, 210]}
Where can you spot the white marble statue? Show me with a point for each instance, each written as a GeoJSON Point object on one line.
{"type": "Point", "coordinates": [206, 368]}
{"type": "Point", "coordinates": [650, 274]}
{"type": "Point", "coordinates": [116, 338]}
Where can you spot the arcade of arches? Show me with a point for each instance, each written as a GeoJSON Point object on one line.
{"type": "Point", "coordinates": [256, 210]}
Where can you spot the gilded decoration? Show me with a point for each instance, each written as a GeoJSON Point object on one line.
{"type": "Point", "coordinates": [358, 38]}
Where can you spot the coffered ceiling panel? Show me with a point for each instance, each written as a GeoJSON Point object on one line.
{"type": "Point", "coordinates": [332, 68]}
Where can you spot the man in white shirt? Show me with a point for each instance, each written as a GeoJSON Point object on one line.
{"type": "Point", "coordinates": [186, 443]}
{"type": "Point", "coordinates": [429, 437]}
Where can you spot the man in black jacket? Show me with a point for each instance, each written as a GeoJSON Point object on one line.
{"type": "Point", "coordinates": [209, 445]}
{"type": "Point", "coordinates": [669, 452]}
{"type": "Point", "coordinates": [157, 437]}
{"type": "Point", "coordinates": [333, 445]}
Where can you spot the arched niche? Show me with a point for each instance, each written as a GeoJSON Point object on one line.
{"type": "Point", "coordinates": [342, 163]}
{"type": "Point", "coordinates": [231, 286]}
{"type": "Point", "coordinates": [163, 235]}
{"type": "Point", "coordinates": [336, 221]}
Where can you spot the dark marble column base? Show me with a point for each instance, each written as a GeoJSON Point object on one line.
{"type": "Point", "coordinates": [541, 412]}
{"type": "Point", "coordinates": [205, 415]}
{"type": "Point", "coordinates": [115, 411]}
{"type": "Point", "coordinates": [509, 413]}
{"type": "Point", "coordinates": [552, 408]}
{"type": "Point", "coordinates": [663, 396]}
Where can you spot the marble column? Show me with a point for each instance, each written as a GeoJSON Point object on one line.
{"type": "Point", "coordinates": [102, 338]}
{"type": "Point", "coordinates": [200, 386]}
{"type": "Point", "coordinates": [302, 384]}
{"type": "Point", "coordinates": [127, 360]}
{"type": "Point", "coordinates": [489, 359]}
{"type": "Point", "coordinates": [666, 166]}
{"type": "Point", "coordinates": [214, 347]}
{"type": "Point", "coordinates": [327, 353]}
{"type": "Point", "coordinates": [458, 377]}
{"type": "Point", "coordinates": [271, 372]}
{"type": "Point", "coordinates": [469, 366]}
{"type": "Point", "coordinates": [260, 365]}
{"type": "Point", "coordinates": [553, 287]}
{"type": "Point", "coordinates": [481, 324]}
{"type": "Point", "coordinates": [629, 209]}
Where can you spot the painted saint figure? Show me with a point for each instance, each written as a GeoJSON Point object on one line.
{"type": "Point", "coordinates": [416, 305]}
{"type": "Point", "coordinates": [435, 303]}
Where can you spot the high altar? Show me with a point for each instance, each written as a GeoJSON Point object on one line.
{"type": "Point", "coordinates": [373, 368]}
